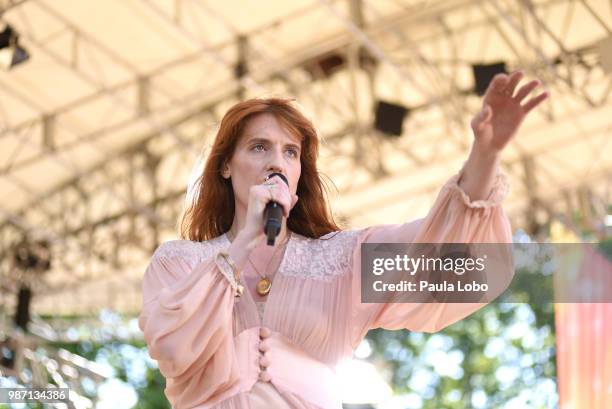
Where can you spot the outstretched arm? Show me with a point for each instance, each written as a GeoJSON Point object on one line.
{"type": "Point", "coordinates": [494, 126]}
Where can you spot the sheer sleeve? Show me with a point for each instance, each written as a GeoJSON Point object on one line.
{"type": "Point", "coordinates": [454, 218]}
{"type": "Point", "coordinates": [186, 319]}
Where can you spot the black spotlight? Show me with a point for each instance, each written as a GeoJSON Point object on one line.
{"type": "Point", "coordinates": [484, 73]}
{"type": "Point", "coordinates": [389, 118]}
{"type": "Point", "coordinates": [327, 64]}
{"type": "Point", "coordinates": [11, 53]}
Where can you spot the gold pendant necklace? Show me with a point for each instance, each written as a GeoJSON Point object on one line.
{"type": "Point", "coordinates": [264, 285]}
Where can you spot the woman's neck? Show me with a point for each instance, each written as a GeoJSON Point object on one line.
{"type": "Point", "coordinates": [238, 225]}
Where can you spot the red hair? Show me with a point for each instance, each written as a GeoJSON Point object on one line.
{"type": "Point", "coordinates": [211, 211]}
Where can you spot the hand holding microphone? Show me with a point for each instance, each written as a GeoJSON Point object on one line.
{"type": "Point", "coordinates": [274, 211]}
{"type": "Point", "coordinates": [268, 203]}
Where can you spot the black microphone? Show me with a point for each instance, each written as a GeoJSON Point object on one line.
{"type": "Point", "coordinates": [273, 214]}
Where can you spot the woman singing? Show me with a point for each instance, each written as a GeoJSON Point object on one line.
{"type": "Point", "coordinates": [235, 323]}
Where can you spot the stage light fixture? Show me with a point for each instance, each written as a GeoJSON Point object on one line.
{"type": "Point", "coordinates": [484, 73]}
{"type": "Point", "coordinates": [11, 52]}
{"type": "Point", "coordinates": [389, 118]}
{"type": "Point", "coordinates": [327, 64]}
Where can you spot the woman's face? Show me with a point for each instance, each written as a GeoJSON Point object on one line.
{"type": "Point", "coordinates": [264, 147]}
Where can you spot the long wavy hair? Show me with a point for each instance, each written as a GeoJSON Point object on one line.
{"type": "Point", "coordinates": [210, 212]}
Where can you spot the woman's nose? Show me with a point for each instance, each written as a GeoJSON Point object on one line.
{"type": "Point", "coordinates": [275, 163]}
{"type": "Point", "coordinates": [275, 169]}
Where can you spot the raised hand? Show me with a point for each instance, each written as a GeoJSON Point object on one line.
{"type": "Point", "coordinates": [503, 111]}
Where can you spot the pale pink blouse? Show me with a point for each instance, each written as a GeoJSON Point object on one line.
{"type": "Point", "coordinates": [217, 351]}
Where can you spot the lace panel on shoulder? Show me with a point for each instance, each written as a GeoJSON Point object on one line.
{"type": "Point", "coordinates": [320, 259]}
{"type": "Point", "coordinates": [192, 252]}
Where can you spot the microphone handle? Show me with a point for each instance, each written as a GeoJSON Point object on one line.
{"type": "Point", "coordinates": [273, 216]}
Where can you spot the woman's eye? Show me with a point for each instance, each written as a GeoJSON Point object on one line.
{"type": "Point", "coordinates": [256, 147]}
{"type": "Point", "coordinates": [293, 153]}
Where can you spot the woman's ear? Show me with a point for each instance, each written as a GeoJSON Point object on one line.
{"type": "Point", "coordinates": [225, 172]}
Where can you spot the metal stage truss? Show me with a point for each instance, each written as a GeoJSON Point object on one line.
{"type": "Point", "coordinates": [102, 126]}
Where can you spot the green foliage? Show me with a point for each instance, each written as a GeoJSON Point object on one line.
{"type": "Point", "coordinates": [130, 363]}
{"type": "Point", "coordinates": [496, 353]}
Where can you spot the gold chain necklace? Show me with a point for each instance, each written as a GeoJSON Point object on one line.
{"type": "Point", "coordinates": [264, 284]}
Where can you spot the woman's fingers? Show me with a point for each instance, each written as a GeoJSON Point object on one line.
{"type": "Point", "coordinates": [526, 89]}
{"type": "Point", "coordinates": [499, 83]}
{"type": "Point", "coordinates": [260, 195]}
{"type": "Point", "coordinates": [515, 78]}
{"type": "Point", "coordinates": [534, 102]}
{"type": "Point", "coordinates": [280, 193]}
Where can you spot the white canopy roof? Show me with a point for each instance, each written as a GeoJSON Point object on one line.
{"type": "Point", "coordinates": [102, 127]}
